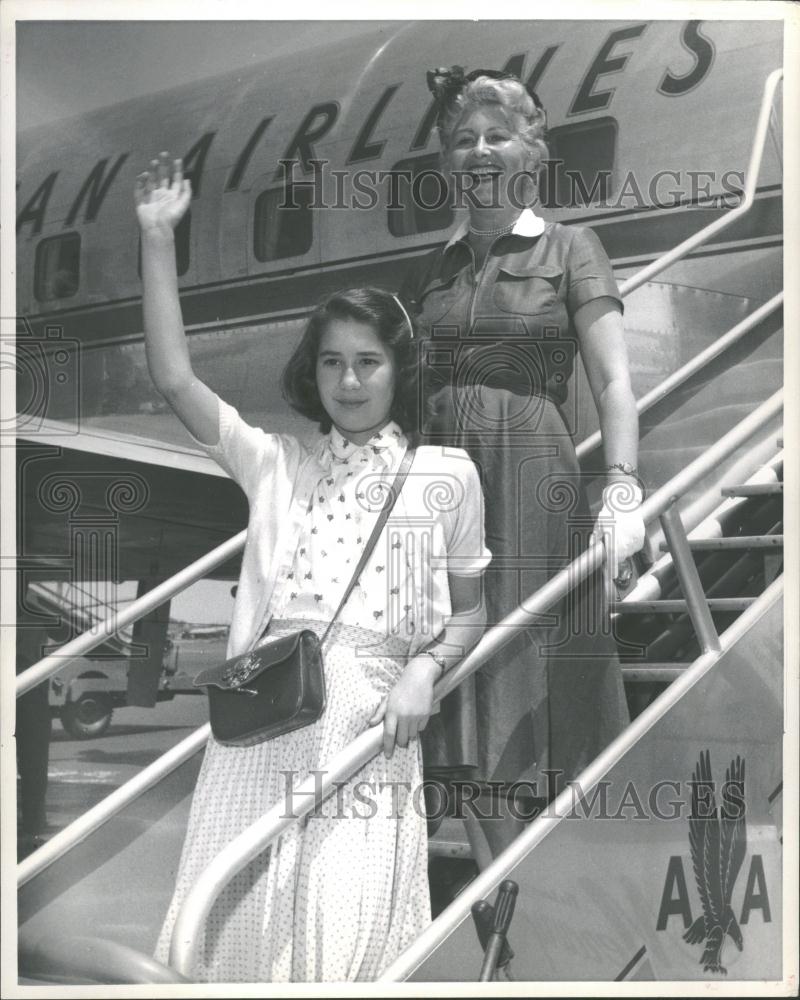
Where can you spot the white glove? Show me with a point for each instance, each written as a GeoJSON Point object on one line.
{"type": "Point", "coordinates": [619, 524]}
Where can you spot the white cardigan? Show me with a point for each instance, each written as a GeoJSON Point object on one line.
{"type": "Point", "coordinates": [440, 509]}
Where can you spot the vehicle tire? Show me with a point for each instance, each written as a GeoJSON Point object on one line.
{"type": "Point", "coordinates": [88, 717]}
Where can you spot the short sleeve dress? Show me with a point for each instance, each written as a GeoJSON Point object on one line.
{"type": "Point", "coordinates": [501, 347]}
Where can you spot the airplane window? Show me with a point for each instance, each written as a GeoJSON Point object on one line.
{"type": "Point", "coordinates": [182, 246]}
{"type": "Point", "coordinates": [578, 170]}
{"type": "Point", "coordinates": [284, 222]}
{"type": "Point", "coordinates": [423, 197]}
{"type": "Point", "coordinates": [56, 272]}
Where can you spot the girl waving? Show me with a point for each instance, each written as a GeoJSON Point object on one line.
{"type": "Point", "coordinates": [341, 894]}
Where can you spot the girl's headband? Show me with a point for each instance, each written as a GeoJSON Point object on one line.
{"type": "Point", "coordinates": [403, 310]}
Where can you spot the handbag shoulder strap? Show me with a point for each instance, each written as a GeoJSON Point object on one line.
{"type": "Point", "coordinates": [391, 499]}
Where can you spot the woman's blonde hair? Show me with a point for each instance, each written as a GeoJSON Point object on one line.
{"type": "Point", "coordinates": [526, 118]}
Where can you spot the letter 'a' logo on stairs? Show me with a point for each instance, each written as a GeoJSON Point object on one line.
{"type": "Point", "coordinates": [718, 841]}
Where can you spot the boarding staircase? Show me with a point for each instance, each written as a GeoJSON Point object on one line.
{"type": "Point", "coordinates": [702, 622]}
{"type": "Point", "coordinates": [738, 553]}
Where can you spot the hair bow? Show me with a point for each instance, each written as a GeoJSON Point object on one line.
{"type": "Point", "coordinates": [446, 84]}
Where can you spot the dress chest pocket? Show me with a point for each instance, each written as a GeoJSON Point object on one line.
{"type": "Point", "coordinates": [528, 291]}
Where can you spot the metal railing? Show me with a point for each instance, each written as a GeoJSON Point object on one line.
{"type": "Point", "coordinates": [195, 571]}
{"type": "Point", "coordinates": [700, 525]}
{"type": "Point", "coordinates": [47, 667]}
{"type": "Point", "coordinates": [563, 804]}
{"type": "Point", "coordinates": [86, 615]}
{"type": "Point", "coordinates": [138, 609]}
{"type": "Point", "coordinates": [83, 644]}
{"type": "Point", "coordinates": [187, 933]}
{"type": "Point", "coordinates": [82, 827]}
{"type": "Point", "coordinates": [749, 192]}
{"type": "Point", "coordinates": [692, 367]}
{"type": "Point", "coordinates": [107, 808]}
{"type": "Point", "coordinates": [50, 665]}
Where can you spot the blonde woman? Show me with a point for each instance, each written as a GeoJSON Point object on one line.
{"type": "Point", "coordinates": [510, 302]}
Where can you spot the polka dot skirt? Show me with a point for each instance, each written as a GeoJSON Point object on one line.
{"type": "Point", "coordinates": [340, 894]}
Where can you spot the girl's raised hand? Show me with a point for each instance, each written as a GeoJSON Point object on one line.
{"type": "Point", "coordinates": [162, 195]}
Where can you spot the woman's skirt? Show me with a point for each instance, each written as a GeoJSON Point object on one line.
{"type": "Point", "coordinates": [552, 698]}
{"type": "Point", "coordinates": [340, 894]}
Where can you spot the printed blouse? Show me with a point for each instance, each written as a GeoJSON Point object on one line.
{"type": "Point", "coordinates": [300, 497]}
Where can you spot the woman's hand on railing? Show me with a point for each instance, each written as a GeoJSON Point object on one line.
{"type": "Point", "coordinates": [619, 524]}
{"type": "Point", "coordinates": [406, 709]}
{"type": "Point", "coordinates": [162, 195]}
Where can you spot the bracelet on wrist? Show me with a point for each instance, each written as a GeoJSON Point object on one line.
{"type": "Point", "coordinates": [439, 660]}
{"type": "Point", "coordinates": [624, 467]}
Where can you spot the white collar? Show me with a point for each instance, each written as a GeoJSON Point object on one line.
{"type": "Point", "coordinates": [381, 449]}
{"type": "Point", "coordinates": [528, 224]}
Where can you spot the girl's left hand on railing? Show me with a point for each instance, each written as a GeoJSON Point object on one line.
{"type": "Point", "coordinates": [406, 709]}
{"type": "Point", "coordinates": [619, 524]}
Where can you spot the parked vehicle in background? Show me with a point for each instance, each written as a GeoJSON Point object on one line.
{"type": "Point", "coordinates": [86, 692]}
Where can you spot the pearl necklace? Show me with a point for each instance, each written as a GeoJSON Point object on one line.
{"type": "Point", "coordinates": [492, 232]}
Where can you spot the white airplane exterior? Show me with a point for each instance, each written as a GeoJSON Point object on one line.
{"type": "Point", "coordinates": [651, 128]}
{"type": "Point", "coordinates": [655, 119]}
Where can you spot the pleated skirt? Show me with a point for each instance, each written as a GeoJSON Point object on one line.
{"type": "Point", "coordinates": [340, 894]}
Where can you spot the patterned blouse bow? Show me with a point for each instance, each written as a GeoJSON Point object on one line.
{"type": "Point", "coordinates": [380, 452]}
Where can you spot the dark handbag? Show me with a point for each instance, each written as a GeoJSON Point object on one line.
{"type": "Point", "coordinates": [280, 686]}
{"type": "Point", "coordinates": [267, 692]}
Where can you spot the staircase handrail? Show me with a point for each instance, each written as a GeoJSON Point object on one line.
{"type": "Point", "coordinates": [744, 206]}
{"type": "Point", "coordinates": [562, 806]}
{"type": "Point", "coordinates": [84, 643]}
{"type": "Point", "coordinates": [99, 814]}
{"type": "Point", "coordinates": [44, 592]}
{"type": "Point", "coordinates": [86, 824]}
{"type": "Point", "coordinates": [77, 647]}
{"type": "Point", "coordinates": [184, 578]}
{"type": "Point", "coordinates": [692, 367]}
{"type": "Point", "coordinates": [187, 932]}
{"type": "Point", "coordinates": [50, 665]}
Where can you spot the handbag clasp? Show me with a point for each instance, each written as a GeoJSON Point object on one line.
{"type": "Point", "coordinates": [239, 671]}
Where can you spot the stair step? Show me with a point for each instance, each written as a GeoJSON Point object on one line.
{"type": "Point", "coordinates": [642, 672]}
{"type": "Point", "coordinates": [753, 490]}
{"type": "Point", "coordinates": [679, 607]}
{"type": "Point", "coordinates": [732, 542]}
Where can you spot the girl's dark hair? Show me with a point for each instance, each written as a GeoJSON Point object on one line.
{"type": "Point", "coordinates": [384, 314]}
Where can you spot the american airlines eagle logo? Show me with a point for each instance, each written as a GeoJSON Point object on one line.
{"type": "Point", "coordinates": [718, 841]}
